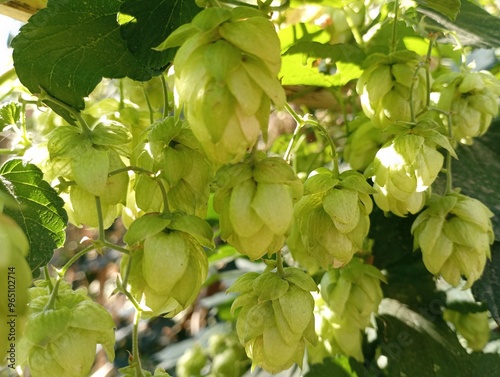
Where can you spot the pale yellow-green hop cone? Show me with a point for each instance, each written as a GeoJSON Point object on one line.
{"type": "Point", "coordinates": [353, 292]}
{"type": "Point", "coordinates": [336, 335]}
{"type": "Point", "coordinates": [255, 203]}
{"type": "Point", "coordinates": [191, 362]}
{"type": "Point", "coordinates": [168, 264]}
{"type": "Point", "coordinates": [228, 355]}
{"type": "Point", "coordinates": [61, 340]}
{"type": "Point", "coordinates": [454, 234]}
{"type": "Point", "coordinates": [386, 84]}
{"type": "Point", "coordinates": [180, 161]}
{"type": "Point", "coordinates": [472, 100]}
{"type": "Point", "coordinates": [473, 326]}
{"type": "Point", "coordinates": [226, 78]}
{"type": "Point", "coordinates": [331, 220]}
{"type": "Point", "coordinates": [405, 168]}
{"type": "Point", "coordinates": [275, 318]}
{"type": "Point", "coordinates": [363, 143]}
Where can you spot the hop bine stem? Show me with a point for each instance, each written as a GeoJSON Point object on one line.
{"type": "Point", "coordinates": [394, 27]}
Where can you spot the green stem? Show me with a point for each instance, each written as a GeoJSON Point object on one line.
{"type": "Point", "coordinates": [150, 107]}
{"type": "Point", "coordinates": [53, 295]}
{"type": "Point", "coordinates": [131, 168]}
{"type": "Point", "coordinates": [115, 247]}
{"type": "Point", "coordinates": [354, 29]}
{"type": "Point", "coordinates": [165, 96]}
{"type": "Point", "coordinates": [135, 345]}
{"type": "Point", "coordinates": [449, 176]}
{"type": "Point", "coordinates": [166, 209]}
{"type": "Point", "coordinates": [300, 123]}
{"type": "Point", "coordinates": [412, 87]}
{"type": "Point", "coordinates": [127, 273]}
{"type": "Point", "coordinates": [428, 57]}
{"type": "Point", "coordinates": [395, 27]}
{"type": "Point", "coordinates": [121, 105]}
{"type": "Point", "coordinates": [279, 264]}
{"type": "Point", "coordinates": [44, 96]}
{"type": "Point", "coordinates": [100, 220]}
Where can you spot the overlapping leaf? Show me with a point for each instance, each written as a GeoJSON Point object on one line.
{"type": "Point", "coordinates": [40, 210]}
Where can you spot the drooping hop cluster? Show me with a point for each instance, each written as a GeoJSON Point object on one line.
{"type": "Point", "coordinates": [255, 203]}
{"type": "Point", "coordinates": [228, 356]}
{"type": "Point", "coordinates": [404, 169]}
{"type": "Point", "coordinates": [168, 263]}
{"type": "Point", "coordinates": [363, 143]}
{"type": "Point", "coordinates": [454, 234]}
{"type": "Point", "coordinates": [349, 297]}
{"type": "Point", "coordinates": [226, 77]}
{"type": "Point", "coordinates": [60, 338]}
{"type": "Point", "coordinates": [13, 267]}
{"type": "Point", "coordinates": [331, 220]}
{"type": "Point", "coordinates": [389, 84]}
{"type": "Point", "coordinates": [171, 151]}
{"type": "Point", "coordinates": [88, 158]}
{"type": "Point", "coordinates": [276, 318]}
{"type": "Point", "coordinates": [472, 100]}
{"type": "Point", "coordinates": [473, 326]}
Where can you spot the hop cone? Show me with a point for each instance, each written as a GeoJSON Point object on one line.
{"type": "Point", "coordinates": [168, 263]}
{"type": "Point", "coordinates": [404, 169]}
{"type": "Point", "coordinates": [276, 318]}
{"type": "Point", "coordinates": [353, 292]}
{"type": "Point", "coordinates": [472, 100]}
{"type": "Point", "coordinates": [61, 341]}
{"type": "Point", "coordinates": [363, 143]}
{"type": "Point", "coordinates": [454, 234]}
{"type": "Point", "coordinates": [226, 77]}
{"type": "Point", "coordinates": [336, 335]}
{"type": "Point", "coordinates": [255, 204]}
{"type": "Point", "coordinates": [385, 88]}
{"type": "Point", "coordinates": [331, 220]}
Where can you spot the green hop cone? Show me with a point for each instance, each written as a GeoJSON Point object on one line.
{"type": "Point", "coordinates": [353, 292]}
{"type": "Point", "coordinates": [191, 362]}
{"type": "Point", "coordinates": [454, 234]}
{"type": "Point", "coordinates": [363, 143]}
{"type": "Point", "coordinates": [173, 154]}
{"type": "Point", "coordinates": [168, 264]}
{"type": "Point", "coordinates": [331, 220]}
{"type": "Point", "coordinates": [405, 168]}
{"type": "Point", "coordinates": [386, 85]}
{"type": "Point", "coordinates": [473, 326]}
{"type": "Point", "coordinates": [60, 338]}
{"type": "Point", "coordinates": [336, 335]}
{"type": "Point", "coordinates": [131, 371]}
{"type": "Point", "coordinates": [472, 100]}
{"type": "Point", "coordinates": [13, 268]}
{"type": "Point", "coordinates": [228, 355]}
{"type": "Point", "coordinates": [226, 78]}
{"type": "Point", "coordinates": [255, 203]}
{"type": "Point", "coordinates": [276, 320]}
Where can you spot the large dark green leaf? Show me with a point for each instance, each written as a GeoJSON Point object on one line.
{"type": "Point", "coordinates": [150, 23]}
{"type": "Point", "coordinates": [68, 47]}
{"type": "Point", "coordinates": [473, 25]}
{"type": "Point", "coordinates": [40, 210]}
{"type": "Point", "coordinates": [392, 237]}
{"type": "Point", "coordinates": [449, 8]}
{"type": "Point", "coordinates": [417, 345]}
{"type": "Point", "coordinates": [487, 289]}
{"type": "Point", "coordinates": [338, 367]}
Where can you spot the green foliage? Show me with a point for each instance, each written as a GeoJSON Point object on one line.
{"type": "Point", "coordinates": [39, 212]}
